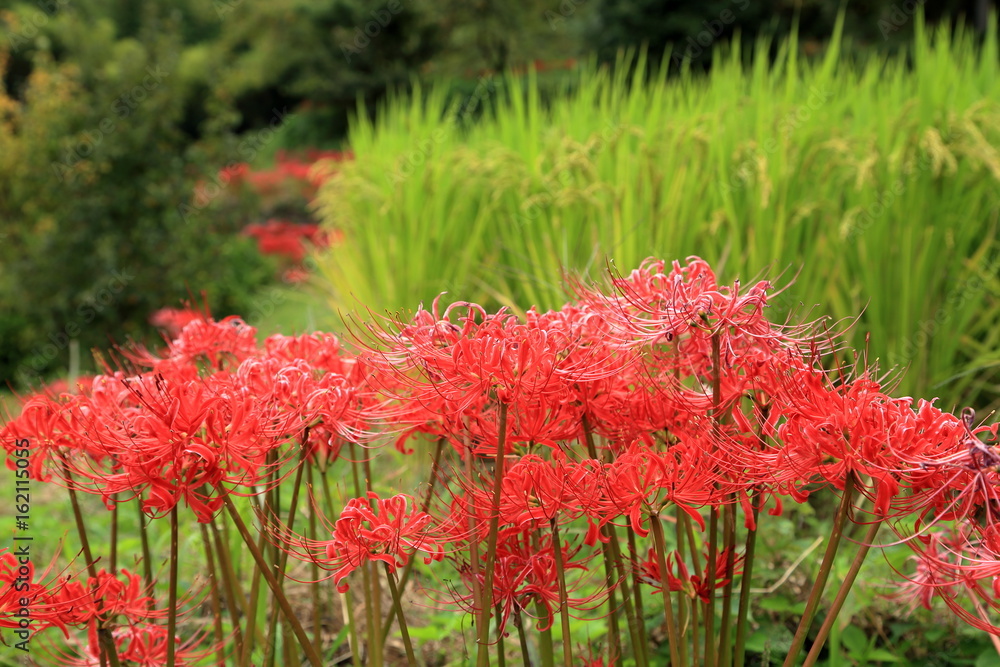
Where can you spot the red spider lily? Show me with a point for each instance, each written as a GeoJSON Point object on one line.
{"type": "Point", "coordinates": [23, 596]}
{"type": "Point", "coordinates": [369, 529]}
{"type": "Point", "coordinates": [955, 474]}
{"type": "Point", "coordinates": [830, 432]}
{"type": "Point", "coordinates": [525, 573]}
{"type": "Point", "coordinates": [181, 439]}
{"type": "Point", "coordinates": [693, 585]}
{"type": "Point", "coordinates": [230, 340]}
{"type": "Point", "coordinates": [45, 428]}
{"type": "Point", "coordinates": [449, 378]}
{"type": "Point", "coordinates": [137, 645]}
{"type": "Point", "coordinates": [641, 482]}
{"type": "Point", "coordinates": [173, 320]}
{"type": "Point", "coordinates": [287, 239]}
{"type": "Point", "coordinates": [78, 603]}
{"type": "Point", "coordinates": [322, 351]}
{"type": "Point", "coordinates": [534, 491]}
{"type": "Point", "coordinates": [951, 565]}
{"type": "Point", "coordinates": [203, 344]}
{"type": "Point", "coordinates": [655, 304]}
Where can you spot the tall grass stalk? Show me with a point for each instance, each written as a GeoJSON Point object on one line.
{"type": "Point", "coordinates": [872, 180]}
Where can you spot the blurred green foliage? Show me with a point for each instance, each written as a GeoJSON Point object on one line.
{"type": "Point", "coordinates": [94, 175]}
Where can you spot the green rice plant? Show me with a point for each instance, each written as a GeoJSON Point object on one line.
{"type": "Point", "coordinates": [869, 183]}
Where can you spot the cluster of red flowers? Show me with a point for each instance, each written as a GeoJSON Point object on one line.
{"type": "Point", "coordinates": [80, 602]}
{"type": "Point", "coordinates": [286, 191]}
{"type": "Point", "coordinates": [669, 392]}
{"type": "Point", "coordinates": [287, 239]}
{"type": "Point", "coordinates": [290, 171]}
{"type": "Point", "coordinates": [197, 422]}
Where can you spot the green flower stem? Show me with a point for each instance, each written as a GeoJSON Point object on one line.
{"type": "Point", "coordinates": [232, 587]}
{"type": "Point", "coordinates": [398, 604]}
{"type": "Point", "coordinates": [317, 605]}
{"type": "Point", "coordinates": [661, 560]}
{"type": "Point", "coordinates": [640, 614]}
{"type": "Point", "coordinates": [353, 628]}
{"type": "Point", "coordinates": [695, 560]}
{"type": "Point", "coordinates": [521, 638]}
{"type": "Point", "coordinates": [206, 542]}
{"type": "Point", "coordinates": [614, 630]}
{"type": "Point", "coordinates": [713, 530]}
{"type": "Point", "coordinates": [477, 588]}
{"type": "Point", "coordinates": [172, 593]}
{"type": "Point", "coordinates": [113, 556]}
{"type": "Point", "coordinates": [634, 622]}
{"type": "Point", "coordinates": [262, 564]}
{"type": "Point", "coordinates": [109, 654]}
{"type": "Point", "coordinates": [745, 583]}
{"type": "Point", "coordinates": [371, 620]}
{"type": "Point", "coordinates": [842, 592]}
{"type": "Point", "coordinates": [682, 599]}
{"type": "Point", "coordinates": [483, 659]}
{"type": "Point", "coordinates": [501, 649]}
{"type": "Point", "coordinates": [824, 572]}
{"type": "Point", "coordinates": [729, 533]}
{"type": "Point", "coordinates": [713, 547]}
{"type": "Point", "coordinates": [375, 600]}
{"type": "Point", "coordinates": [404, 578]}
{"type": "Point", "coordinates": [283, 555]}
{"type": "Point", "coordinates": [563, 602]}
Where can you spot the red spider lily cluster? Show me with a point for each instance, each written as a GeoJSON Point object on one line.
{"type": "Point", "coordinates": [79, 603]}
{"type": "Point", "coordinates": [284, 193]}
{"type": "Point", "coordinates": [566, 442]}
{"type": "Point", "coordinates": [287, 239]}
{"type": "Point", "coordinates": [290, 171]}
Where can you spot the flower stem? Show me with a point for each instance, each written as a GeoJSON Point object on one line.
{"type": "Point", "coordinates": [317, 605]}
{"type": "Point", "coordinates": [682, 600]}
{"type": "Point", "coordinates": [109, 654]}
{"type": "Point", "coordinates": [845, 588]}
{"type": "Point", "coordinates": [745, 583]}
{"type": "Point", "coordinates": [147, 558]}
{"type": "Point", "coordinates": [483, 659]}
{"type": "Point", "coordinates": [214, 590]}
{"type": "Point", "coordinates": [262, 564]}
{"type": "Point", "coordinates": [710, 569]}
{"type": "Point", "coordinates": [521, 638]}
{"type": "Point", "coordinates": [113, 556]}
{"type": "Point", "coordinates": [640, 614]}
{"type": "Point", "coordinates": [729, 539]}
{"type": "Point", "coordinates": [371, 620]}
{"type": "Point", "coordinates": [477, 588]}
{"type": "Point", "coordinates": [404, 578]}
{"type": "Point", "coordinates": [660, 549]}
{"type": "Point", "coordinates": [614, 630]}
{"type": "Point", "coordinates": [501, 649]}
{"type": "Point", "coordinates": [398, 604]}
{"type": "Point", "coordinates": [172, 593]}
{"type": "Point", "coordinates": [232, 588]}
{"type": "Point", "coordinates": [375, 600]}
{"type": "Point", "coordinates": [563, 602]}
{"type": "Point", "coordinates": [634, 622]}
{"type": "Point", "coordinates": [328, 499]}
{"type": "Point", "coordinates": [824, 572]}
{"type": "Point", "coordinates": [282, 560]}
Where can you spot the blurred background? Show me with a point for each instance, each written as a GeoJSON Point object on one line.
{"type": "Point", "coordinates": [295, 161]}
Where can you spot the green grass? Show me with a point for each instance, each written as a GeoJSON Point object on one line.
{"type": "Point", "coordinates": [872, 182]}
